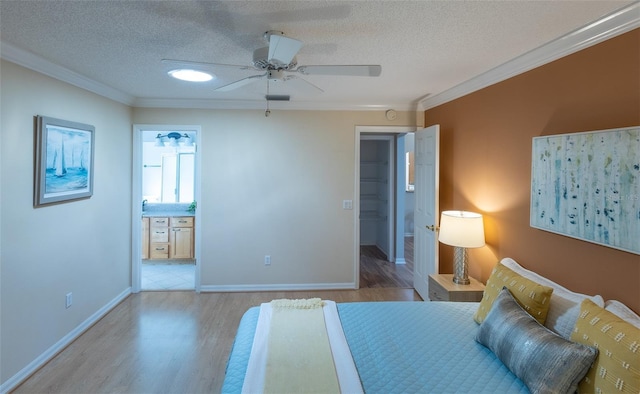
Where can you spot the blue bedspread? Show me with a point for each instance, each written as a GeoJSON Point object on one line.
{"type": "Point", "coordinates": [403, 347]}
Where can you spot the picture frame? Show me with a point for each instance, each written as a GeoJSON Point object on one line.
{"type": "Point", "coordinates": [587, 186]}
{"type": "Point", "coordinates": [64, 153]}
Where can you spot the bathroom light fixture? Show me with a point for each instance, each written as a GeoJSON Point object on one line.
{"type": "Point", "coordinates": [189, 75]}
{"type": "Point", "coordinates": [173, 139]}
{"type": "Point", "coordinates": [462, 230]}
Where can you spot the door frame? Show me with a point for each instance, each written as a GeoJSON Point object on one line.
{"type": "Point", "coordinates": [359, 130]}
{"type": "Point", "coordinates": [136, 199]}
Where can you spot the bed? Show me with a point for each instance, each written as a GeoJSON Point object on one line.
{"type": "Point", "coordinates": [434, 347]}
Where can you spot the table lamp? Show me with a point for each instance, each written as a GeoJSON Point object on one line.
{"type": "Point", "coordinates": [462, 230]}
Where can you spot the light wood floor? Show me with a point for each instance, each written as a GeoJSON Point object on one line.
{"type": "Point", "coordinates": [179, 342]}
{"type": "Point", "coordinates": [377, 271]}
{"type": "Point", "coordinates": [167, 342]}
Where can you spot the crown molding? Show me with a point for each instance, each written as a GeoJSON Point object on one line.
{"type": "Point", "coordinates": [262, 105]}
{"type": "Point", "coordinates": [609, 26]}
{"type": "Point", "coordinates": [36, 63]}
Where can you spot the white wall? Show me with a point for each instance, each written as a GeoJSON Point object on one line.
{"type": "Point", "coordinates": [270, 186]}
{"type": "Point", "coordinates": [81, 247]}
{"type": "Point", "coordinates": [275, 186]}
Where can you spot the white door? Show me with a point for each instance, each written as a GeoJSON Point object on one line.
{"type": "Point", "coordinates": [427, 148]}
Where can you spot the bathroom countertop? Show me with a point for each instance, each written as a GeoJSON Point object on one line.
{"type": "Point", "coordinates": [149, 214]}
{"type": "Point", "coordinates": [166, 210]}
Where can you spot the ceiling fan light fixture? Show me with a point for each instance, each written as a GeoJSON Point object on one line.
{"type": "Point", "coordinates": [275, 75]}
{"type": "Point", "coordinates": [277, 97]}
{"type": "Point", "coordinates": [190, 75]}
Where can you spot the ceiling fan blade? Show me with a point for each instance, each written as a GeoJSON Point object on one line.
{"type": "Point", "coordinates": [282, 49]}
{"type": "Point", "coordinates": [371, 70]}
{"type": "Point", "coordinates": [201, 65]}
{"type": "Point", "coordinates": [239, 83]}
{"type": "Point", "coordinates": [302, 85]}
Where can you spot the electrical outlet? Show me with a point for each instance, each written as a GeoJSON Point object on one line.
{"type": "Point", "coordinates": [347, 204]}
{"type": "Point", "coordinates": [68, 300]}
{"type": "Point", "coordinates": [267, 260]}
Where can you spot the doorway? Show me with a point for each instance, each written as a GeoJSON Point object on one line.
{"type": "Point", "coordinates": [383, 217]}
{"type": "Point", "coordinates": [166, 190]}
{"type": "Point", "coordinates": [377, 194]}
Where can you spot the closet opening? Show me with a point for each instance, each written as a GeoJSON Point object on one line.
{"type": "Point", "coordinates": [385, 210]}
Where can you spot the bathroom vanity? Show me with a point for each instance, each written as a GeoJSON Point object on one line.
{"type": "Point", "coordinates": [167, 234]}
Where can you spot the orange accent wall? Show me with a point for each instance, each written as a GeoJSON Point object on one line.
{"type": "Point", "coordinates": [485, 161]}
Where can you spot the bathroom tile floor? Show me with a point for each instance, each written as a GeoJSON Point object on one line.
{"type": "Point", "coordinates": [163, 276]}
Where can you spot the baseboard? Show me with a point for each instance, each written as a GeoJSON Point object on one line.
{"type": "Point", "coordinates": [277, 287]}
{"type": "Point", "coordinates": [401, 261]}
{"type": "Point", "coordinates": [33, 366]}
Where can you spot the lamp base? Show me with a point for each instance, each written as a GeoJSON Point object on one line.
{"type": "Point", "coordinates": [461, 281]}
{"type": "Point", "coordinates": [460, 266]}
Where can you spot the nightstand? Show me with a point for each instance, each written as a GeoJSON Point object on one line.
{"type": "Point", "coordinates": [442, 288]}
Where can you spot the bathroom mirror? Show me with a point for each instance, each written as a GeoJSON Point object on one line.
{"type": "Point", "coordinates": [409, 186]}
{"type": "Point", "coordinates": [168, 167]}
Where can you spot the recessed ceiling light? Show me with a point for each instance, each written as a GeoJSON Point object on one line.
{"type": "Point", "coordinates": [191, 75]}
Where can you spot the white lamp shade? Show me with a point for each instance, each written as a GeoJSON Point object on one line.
{"type": "Point", "coordinates": [461, 228]}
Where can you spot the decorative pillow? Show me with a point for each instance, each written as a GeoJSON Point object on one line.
{"type": "Point", "coordinates": [542, 359]}
{"type": "Point", "coordinates": [622, 311]}
{"type": "Point", "coordinates": [531, 296]}
{"type": "Point", "coordinates": [617, 367]}
{"type": "Point", "coordinates": [564, 307]}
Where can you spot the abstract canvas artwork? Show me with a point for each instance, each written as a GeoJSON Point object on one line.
{"type": "Point", "coordinates": [587, 186]}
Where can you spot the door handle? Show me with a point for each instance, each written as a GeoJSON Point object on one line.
{"type": "Point", "coordinates": [432, 227]}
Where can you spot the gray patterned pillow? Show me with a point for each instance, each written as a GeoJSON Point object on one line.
{"type": "Point", "coordinates": [543, 360]}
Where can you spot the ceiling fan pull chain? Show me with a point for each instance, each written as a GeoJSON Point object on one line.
{"type": "Point", "coordinates": [267, 112]}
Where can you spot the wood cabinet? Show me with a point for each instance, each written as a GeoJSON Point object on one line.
{"type": "Point", "coordinates": [159, 238]}
{"type": "Point", "coordinates": [169, 238]}
{"type": "Point", "coordinates": [181, 238]}
{"type": "Point", "coordinates": [442, 288]}
{"type": "Point", "coordinates": [145, 238]}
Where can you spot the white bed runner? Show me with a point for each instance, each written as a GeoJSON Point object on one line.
{"type": "Point", "coordinates": [346, 372]}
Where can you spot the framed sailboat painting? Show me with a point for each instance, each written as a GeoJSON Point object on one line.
{"type": "Point", "coordinates": [64, 161]}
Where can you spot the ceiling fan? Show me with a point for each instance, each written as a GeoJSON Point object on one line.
{"type": "Point", "coordinates": [277, 63]}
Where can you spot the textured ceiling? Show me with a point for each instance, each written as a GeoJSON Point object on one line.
{"type": "Point", "coordinates": [424, 47]}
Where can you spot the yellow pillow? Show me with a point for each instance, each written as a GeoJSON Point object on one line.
{"type": "Point", "coordinates": [617, 367]}
{"type": "Point", "coordinates": [531, 296]}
